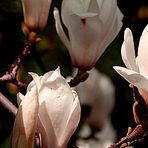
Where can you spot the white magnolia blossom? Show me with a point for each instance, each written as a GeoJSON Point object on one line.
{"type": "Point", "coordinates": [136, 72]}
{"type": "Point", "coordinates": [98, 93]}
{"type": "Point", "coordinates": [36, 13]}
{"type": "Point", "coordinates": [92, 25]}
{"type": "Point", "coordinates": [50, 108]}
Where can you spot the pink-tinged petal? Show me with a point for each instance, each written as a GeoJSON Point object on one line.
{"type": "Point", "coordinates": [58, 100]}
{"type": "Point", "coordinates": [30, 14]}
{"type": "Point", "coordinates": [128, 51]}
{"type": "Point", "coordinates": [84, 37]}
{"type": "Point", "coordinates": [46, 129]}
{"type": "Point", "coordinates": [43, 13]}
{"type": "Point", "coordinates": [72, 122]}
{"type": "Point", "coordinates": [137, 120]}
{"type": "Point", "coordinates": [60, 30]}
{"type": "Point", "coordinates": [26, 121]}
{"type": "Point", "coordinates": [36, 13]}
{"type": "Point", "coordinates": [142, 58]}
{"type": "Point", "coordinates": [133, 77]}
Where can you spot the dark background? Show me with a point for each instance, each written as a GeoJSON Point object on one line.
{"type": "Point", "coordinates": [51, 52]}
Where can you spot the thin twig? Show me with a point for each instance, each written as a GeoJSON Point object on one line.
{"type": "Point", "coordinates": [11, 76]}
{"type": "Point", "coordinates": [7, 104]}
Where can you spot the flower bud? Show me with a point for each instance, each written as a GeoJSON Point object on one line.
{"type": "Point", "coordinates": [36, 13]}
{"type": "Point", "coordinates": [50, 109]}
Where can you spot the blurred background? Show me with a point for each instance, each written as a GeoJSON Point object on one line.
{"type": "Point", "coordinates": [50, 53]}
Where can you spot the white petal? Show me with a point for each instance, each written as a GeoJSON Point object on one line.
{"type": "Point", "coordinates": [72, 122]}
{"type": "Point", "coordinates": [86, 15]}
{"type": "Point", "coordinates": [60, 30]}
{"type": "Point", "coordinates": [128, 51]}
{"type": "Point", "coordinates": [110, 33]}
{"type": "Point", "coordinates": [85, 4]}
{"type": "Point", "coordinates": [58, 100]}
{"type": "Point", "coordinates": [133, 77]}
{"type": "Point", "coordinates": [108, 11]}
{"type": "Point", "coordinates": [46, 129]}
{"type": "Point", "coordinates": [73, 7]}
{"type": "Point", "coordinates": [51, 76]}
{"type": "Point", "coordinates": [142, 58]}
{"type": "Point", "coordinates": [36, 79]}
{"type": "Point", "coordinates": [85, 36]}
{"type": "Point", "coordinates": [100, 3]}
{"type": "Point", "coordinates": [26, 121]}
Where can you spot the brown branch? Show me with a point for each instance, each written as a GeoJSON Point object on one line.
{"type": "Point", "coordinates": [11, 76]}
{"type": "Point", "coordinates": [81, 76]}
{"type": "Point", "coordinates": [137, 135]}
{"type": "Point", "coordinates": [7, 104]}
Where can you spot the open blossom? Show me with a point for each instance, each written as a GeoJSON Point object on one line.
{"type": "Point", "coordinates": [136, 72]}
{"type": "Point", "coordinates": [50, 108]}
{"type": "Point", "coordinates": [92, 25]}
{"type": "Point", "coordinates": [36, 13]}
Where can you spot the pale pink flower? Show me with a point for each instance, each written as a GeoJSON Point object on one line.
{"type": "Point", "coordinates": [136, 72]}
{"type": "Point", "coordinates": [49, 108]}
{"type": "Point", "coordinates": [36, 13]}
{"type": "Point", "coordinates": [92, 25]}
{"type": "Point", "coordinates": [97, 93]}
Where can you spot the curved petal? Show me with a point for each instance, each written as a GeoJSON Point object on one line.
{"type": "Point", "coordinates": [110, 32]}
{"type": "Point", "coordinates": [143, 53]}
{"type": "Point", "coordinates": [46, 129]}
{"type": "Point", "coordinates": [36, 13]}
{"type": "Point", "coordinates": [70, 7]}
{"type": "Point", "coordinates": [26, 121]}
{"type": "Point", "coordinates": [58, 100]}
{"type": "Point", "coordinates": [54, 75]}
{"type": "Point", "coordinates": [50, 76]}
{"type": "Point", "coordinates": [137, 120]}
{"type": "Point", "coordinates": [128, 51]}
{"type": "Point", "coordinates": [108, 11]}
{"type": "Point", "coordinates": [44, 7]}
{"type": "Point", "coordinates": [133, 77]}
{"type": "Point", "coordinates": [30, 15]}
{"type": "Point", "coordinates": [20, 98]}
{"type": "Point", "coordinates": [36, 79]}
{"type": "Point", "coordinates": [60, 30]}
{"type": "Point", "coordinates": [100, 3]}
{"type": "Point", "coordinates": [85, 35]}
{"type": "Point", "coordinates": [72, 122]}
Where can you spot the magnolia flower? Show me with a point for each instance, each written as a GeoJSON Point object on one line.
{"type": "Point", "coordinates": [136, 72]}
{"type": "Point", "coordinates": [97, 93]}
{"type": "Point", "coordinates": [92, 25]}
{"type": "Point", "coordinates": [50, 108]}
{"type": "Point", "coordinates": [36, 13]}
